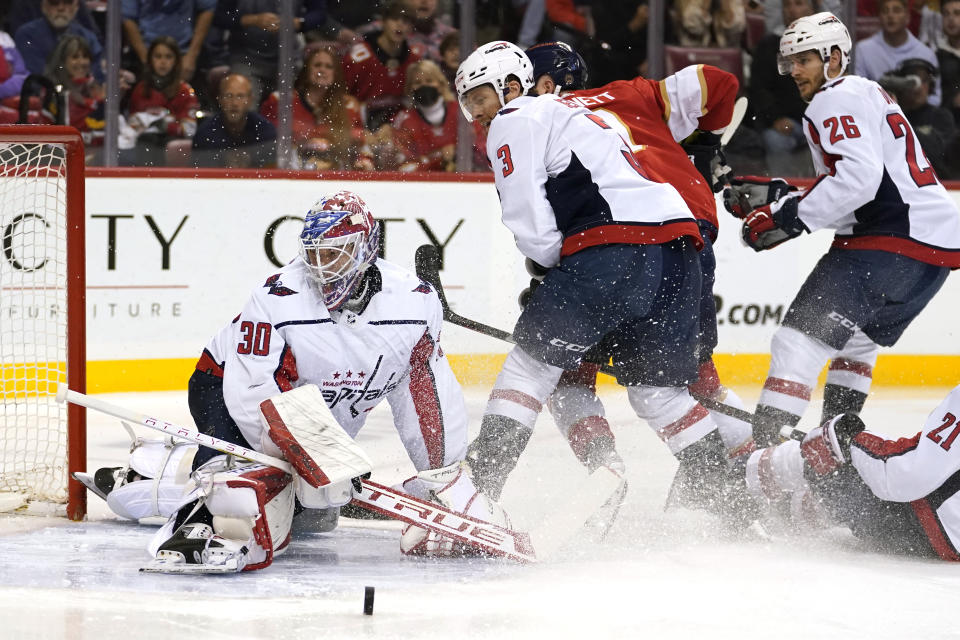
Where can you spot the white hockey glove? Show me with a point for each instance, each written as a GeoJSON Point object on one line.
{"type": "Point", "coordinates": [452, 487]}
{"type": "Point", "coordinates": [749, 192]}
{"type": "Point", "coordinates": [828, 446]}
{"type": "Point", "coordinates": [773, 224]}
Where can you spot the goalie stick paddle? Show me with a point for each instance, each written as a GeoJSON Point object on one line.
{"type": "Point", "coordinates": [492, 539]}
{"type": "Point", "coordinates": [427, 261]}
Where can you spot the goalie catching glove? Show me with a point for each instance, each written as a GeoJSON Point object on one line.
{"type": "Point", "coordinates": [452, 487]}
{"type": "Point", "coordinates": [772, 224]}
{"type": "Point", "coordinates": [745, 194]}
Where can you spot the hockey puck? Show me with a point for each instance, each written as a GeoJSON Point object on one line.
{"type": "Point", "coordinates": [368, 601]}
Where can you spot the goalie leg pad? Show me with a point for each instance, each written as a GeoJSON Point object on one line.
{"type": "Point", "coordinates": [251, 505]}
{"type": "Point", "coordinates": [451, 487]}
{"type": "Point", "coordinates": [161, 470]}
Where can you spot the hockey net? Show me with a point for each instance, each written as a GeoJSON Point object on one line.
{"type": "Point", "coordinates": [42, 318]}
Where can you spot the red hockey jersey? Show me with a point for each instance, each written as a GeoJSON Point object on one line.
{"type": "Point", "coordinates": [420, 143]}
{"type": "Point", "coordinates": [652, 116]}
{"type": "Point", "coordinates": [182, 106]}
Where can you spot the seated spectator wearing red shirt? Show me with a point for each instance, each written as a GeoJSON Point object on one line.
{"type": "Point", "coordinates": [376, 69]}
{"type": "Point", "coordinates": [327, 127]}
{"type": "Point", "coordinates": [69, 65]}
{"type": "Point", "coordinates": [162, 107]}
{"type": "Point", "coordinates": [425, 135]}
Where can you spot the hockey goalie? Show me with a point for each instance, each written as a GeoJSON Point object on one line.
{"type": "Point", "coordinates": [317, 346]}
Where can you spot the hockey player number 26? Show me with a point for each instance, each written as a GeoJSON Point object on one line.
{"type": "Point", "coordinates": [254, 339]}
{"type": "Point", "coordinates": [923, 177]}
{"type": "Point", "coordinates": [948, 420]}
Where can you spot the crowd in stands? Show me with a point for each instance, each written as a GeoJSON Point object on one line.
{"type": "Point", "coordinates": [373, 89]}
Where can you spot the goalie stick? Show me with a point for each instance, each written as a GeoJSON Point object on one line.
{"type": "Point", "coordinates": [427, 261]}
{"type": "Point", "coordinates": [491, 538]}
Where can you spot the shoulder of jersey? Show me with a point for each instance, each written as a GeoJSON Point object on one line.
{"type": "Point", "coordinates": [287, 282]}
{"type": "Point", "coordinates": [359, 52]}
{"type": "Point", "coordinates": [846, 90]}
{"type": "Point", "coordinates": [400, 281]}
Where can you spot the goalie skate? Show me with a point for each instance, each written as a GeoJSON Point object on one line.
{"type": "Point", "coordinates": [196, 549]}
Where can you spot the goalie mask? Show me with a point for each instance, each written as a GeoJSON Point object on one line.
{"type": "Point", "coordinates": [492, 64]}
{"type": "Point", "coordinates": [820, 32]}
{"type": "Point", "coordinates": [339, 241]}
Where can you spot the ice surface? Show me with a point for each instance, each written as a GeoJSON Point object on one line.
{"type": "Point", "coordinates": [657, 575]}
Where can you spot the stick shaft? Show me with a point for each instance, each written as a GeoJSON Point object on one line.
{"type": "Point", "coordinates": [184, 433]}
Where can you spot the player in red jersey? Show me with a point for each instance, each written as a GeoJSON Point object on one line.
{"type": "Point", "coordinates": [652, 117]}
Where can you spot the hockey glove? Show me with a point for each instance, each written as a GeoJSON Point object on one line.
{"type": "Point", "coordinates": [703, 149]}
{"type": "Point", "coordinates": [538, 273]}
{"type": "Point", "coordinates": [828, 446]}
{"type": "Point", "coordinates": [749, 192]}
{"type": "Point", "coordinates": [773, 224]}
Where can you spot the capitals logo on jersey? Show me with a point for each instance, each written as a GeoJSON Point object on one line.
{"type": "Point", "coordinates": [276, 287]}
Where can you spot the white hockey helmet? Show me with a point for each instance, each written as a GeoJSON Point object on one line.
{"type": "Point", "coordinates": [820, 32]}
{"type": "Point", "coordinates": [492, 64]}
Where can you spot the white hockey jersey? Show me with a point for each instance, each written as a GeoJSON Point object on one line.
{"type": "Point", "coordinates": [285, 338]}
{"type": "Point", "coordinates": [568, 181]}
{"type": "Point", "coordinates": [875, 185]}
{"type": "Point", "coordinates": [923, 470]}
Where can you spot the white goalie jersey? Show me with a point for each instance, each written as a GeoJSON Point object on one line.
{"type": "Point", "coordinates": [875, 185]}
{"type": "Point", "coordinates": [285, 338]}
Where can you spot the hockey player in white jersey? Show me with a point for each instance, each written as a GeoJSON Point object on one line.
{"type": "Point", "coordinates": [622, 256]}
{"type": "Point", "coordinates": [362, 330]}
{"type": "Point", "coordinates": [899, 495]}
{"type": "Point", "coordinates": [897, 232]}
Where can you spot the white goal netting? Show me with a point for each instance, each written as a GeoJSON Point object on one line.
{"type": "Point", "coordinates": [33, 320]}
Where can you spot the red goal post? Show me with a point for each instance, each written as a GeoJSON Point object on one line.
{"type": "Point", "coordinates": [42, 316]}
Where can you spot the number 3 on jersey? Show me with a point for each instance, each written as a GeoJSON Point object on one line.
{"type": "Point", "coordinates": [504, 154]}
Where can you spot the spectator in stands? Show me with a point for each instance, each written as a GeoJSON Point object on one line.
{"type": "Point", "coordinates": [572, 21]}
{"type": "Point", "coordinates": [12, 69]}
{"type": "Point", "coordinates": [425, 135]}
{"type": "Point", "coordinates": [236, 136]}
{"type": "Point", "coordinates": [37, 39]}
{"type": "Point", "coordinates": [69, 65]}
{"type": "Point", "coordinates": [327, 127]}
{"type": "Point", "coordinates": [450, 58]}
{"type": "Point", "coordinates": [534, 13]}
{"type": "Point", "coordinates": [776, 104]}
{"type": "Point", "coordinates": [20, 12]}
{"type": "Point", "coordinates": [884, 50]}
{"type": "Point", "coordinates": [704, 23]}
{"type": "Point", "coordinates": [911, 83]}
{"type": "Point", "coordinates": [622, 27]}
{"type": "Point", "coordinates": [376, 68]}
{"type": "Point", "coordinates": [428, 31]}
{"type": "Point", "coordinates": [254, 41]}
{"type": "Point", "coordinates": [162, 107]}
{"type": "Point", "coordinates": [186, 21]}
{"type": "Point", "coordinates": [948, 55]}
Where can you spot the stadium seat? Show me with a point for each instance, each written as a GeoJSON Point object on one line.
{"type": "Point", "coordinates": [728, 59]}
{"type": "Point", "coordinates": [756, 29]}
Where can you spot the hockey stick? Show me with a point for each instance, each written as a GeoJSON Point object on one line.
{"type": "Point", "coordinates": [427, 261]}
{"type": "Point", "coordinates": [739, 110]}
{"type": "Point", "coordinates": [491, 538]}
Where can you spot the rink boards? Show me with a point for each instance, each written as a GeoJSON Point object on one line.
{"type": "Point", "coordinates": [172, 257]}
